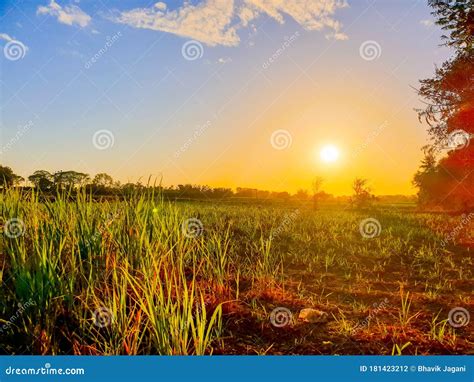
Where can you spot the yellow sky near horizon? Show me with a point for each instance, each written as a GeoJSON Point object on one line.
{"type": "Point", "coordinates": [138, 108]}
{"type": "Point", "coordinates": [371, 135]}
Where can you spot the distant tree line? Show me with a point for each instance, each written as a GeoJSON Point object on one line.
{"type": "Point", "coordinates": [103, 185]}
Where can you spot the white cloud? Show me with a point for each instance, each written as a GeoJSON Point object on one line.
{"type": "Point", "coordinates": [8, 38]}
{"type": "Point", "coordinates": [208, 22]}
{"type": "Point", "coordinates": [69, 15]}
{"type": "Point", "coordinates": [337, 36]}
{"type": "Point", "coordinates": [247, 14]}
{"type": "Point", "coordinates": [427, 23]}
{"type": "Point", "coordinates": [311, 15]}
{"type": "Point", "coordinates": [4, 36]}
{"type": "Point", "coordinates": [216, 22]}
{"type": "Point", "coordinates": [224, 60]}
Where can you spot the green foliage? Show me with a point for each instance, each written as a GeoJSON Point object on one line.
{"type": "Point", "coordinates": [7, 177]}
{"type": "Point", "coordinates": [449, 99]}
{"type": "Point", "coordinates": [168, 292]}
{"type": "Point", "coordinates": [398, 349]}
{"type": "Point", "coordinates": [42, 180]}
{"type": "Point", "coordinates": [362, 196]}
{"type": "Point", "coordinates": [69, 179]}
{"type": "Point", "coordinates": [103, 180]}
{"type": "Point", "coordinates": [456, 17]}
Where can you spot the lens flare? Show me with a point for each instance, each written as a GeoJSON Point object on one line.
{"type": "Point", "coordinates": [329, 154]}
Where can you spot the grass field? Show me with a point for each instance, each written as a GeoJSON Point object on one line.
{"type": "Point", "coordinates": [145, 276]}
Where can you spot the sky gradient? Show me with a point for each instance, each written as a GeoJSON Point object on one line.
{"type": "Point", "coordinates": [194, 92]}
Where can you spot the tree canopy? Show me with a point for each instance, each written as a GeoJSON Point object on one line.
{"type": "Point", "coordinates": [449, 113]}
{"type": "Point", "coordinates": [8, 178]}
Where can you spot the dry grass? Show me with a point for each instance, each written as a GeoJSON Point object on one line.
{"type": "Point", "coordinates": [134, 277]}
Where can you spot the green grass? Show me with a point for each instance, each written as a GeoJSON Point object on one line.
{"type": "Point", "coordinates": [132, 277]}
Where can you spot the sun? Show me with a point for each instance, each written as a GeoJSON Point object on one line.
{"type": "Point", "coordinates": [329, 154]}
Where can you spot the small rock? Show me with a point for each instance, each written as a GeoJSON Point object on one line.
{"type": "Point", "coordinates": [313, 315]}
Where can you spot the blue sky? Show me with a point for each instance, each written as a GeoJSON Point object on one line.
{"type": "Point", "coordinates": [209, 120]}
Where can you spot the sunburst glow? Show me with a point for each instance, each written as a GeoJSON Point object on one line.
{"type": "Point", "coordinates": [329, 154]}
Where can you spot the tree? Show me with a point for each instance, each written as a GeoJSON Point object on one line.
{"type": "Point", "coordinates": [42, 179]}
{"type": "Point", "coordinates": [301, 194]}
{"type": "Point", "coordinates": [448, 97]}
{"type": "Point", "coordinates": [283, 195]}
{"type": "Point", "coordinates": [426, 178]}
{"type": "Point", "coordinates": [449, 111]}
{"type": "Point", "coordinates": [103, 180]}
{"type": "Point", "coordinates": [221, 193]}
{"type": "Point", "coordinates": [129, 188]}
{"type": "Point", "coordinates": [362, 193]}
{"type": "Point", "coordinates": [243, 192]}
{"type": "Point", "coordinates": [70, 179]}
{"type": "Point", "coordinates": [7, 177]}
{"type": "Point", "coordinates": [317, 185]}
{"type": "Point", "coordinates": [457, 17]}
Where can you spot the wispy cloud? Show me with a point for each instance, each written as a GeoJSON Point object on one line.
{"type": "Point", "coordinates": [69, 14]}
{"type": "Point", "coordinates": [337, 36]}
{"type": "Point", "coordinates": [208, 22]}
{"type": "Point", "coordinates": [4, 36]}
{"type": "Point", "coordinates": [8, 38]}
{"type": "Point", "coordinates": [427, 23]}
{"type": "Point", "coordinates": [311, 15]}
{"type": "Point", "coordinates": [224, 60]}
{"type": "Point", "coordinates": [216, 22]}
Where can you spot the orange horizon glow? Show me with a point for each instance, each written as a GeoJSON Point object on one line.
{"type": "Point", "coordinates": [210, 120]}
